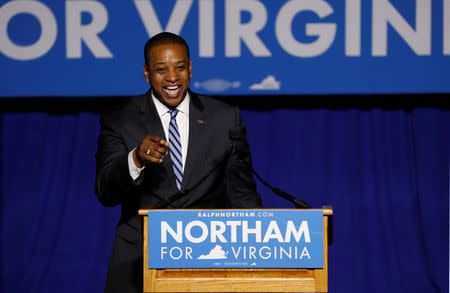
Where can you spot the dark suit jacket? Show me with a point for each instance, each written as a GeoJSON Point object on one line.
{"type": "Point", "coordinates": [217, 173]}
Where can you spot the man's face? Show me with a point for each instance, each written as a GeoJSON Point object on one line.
{"type": "Point", "coordinates": [169, 71]}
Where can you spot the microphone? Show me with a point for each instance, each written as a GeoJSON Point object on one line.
{"type": "Point", "coordinates": [236, 136]}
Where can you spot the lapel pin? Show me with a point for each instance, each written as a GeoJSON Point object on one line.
{"type": "Point", "coordinates": [201, 122]}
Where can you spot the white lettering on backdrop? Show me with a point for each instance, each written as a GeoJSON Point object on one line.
{"type": "Point", "coordinates": [384, 16]}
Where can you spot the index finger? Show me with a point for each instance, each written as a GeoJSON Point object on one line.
{"type": "Point", "coordinates": [158, 140]}
{"type": "Point", "coordinates": [163, 142]}
{"type": "Point", "coordinates": [155, 138]}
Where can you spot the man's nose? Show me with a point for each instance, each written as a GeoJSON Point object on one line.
{"type": "Point", "coordinates": [172, 75]}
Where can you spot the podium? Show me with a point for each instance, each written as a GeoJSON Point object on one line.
{"type": "Point", "coordinates": [236, 279]}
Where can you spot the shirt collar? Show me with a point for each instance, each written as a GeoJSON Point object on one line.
{"type": "Point", "coordinates": [162, 109]}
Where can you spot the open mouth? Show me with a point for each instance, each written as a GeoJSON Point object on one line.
{"type": "Point", "coordinates": [172, 91]}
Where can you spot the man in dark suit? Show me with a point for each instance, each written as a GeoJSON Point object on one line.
{"type": "Point", "coordinates": [169, 148]}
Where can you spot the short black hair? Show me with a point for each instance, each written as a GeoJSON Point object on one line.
{"type": "Point", "coordinates": [163, 39]}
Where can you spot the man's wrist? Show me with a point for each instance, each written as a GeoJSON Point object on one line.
{"type": "Point", "coordinates": [137, 162]}
{"type": "Point", "coordinates": [134, 168]}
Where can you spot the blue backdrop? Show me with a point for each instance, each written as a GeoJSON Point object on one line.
{"type": "Point", "coordinates": [238, 47]}
{"type": "Point", "coordinates": [384, 172]}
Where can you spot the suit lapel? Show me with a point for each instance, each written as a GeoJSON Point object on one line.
{"type": "Point", "coordinates": [150, 117]}
{"type": "Point", "coordinates": [197, 145]}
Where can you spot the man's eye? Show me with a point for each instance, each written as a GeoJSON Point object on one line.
{"type": "Point", "coordinates": [181, 67]}
{"type": "Point", "coordinates": [160, 69]}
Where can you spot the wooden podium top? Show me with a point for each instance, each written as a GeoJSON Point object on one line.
{"type": "Point", "coordinates": [327, 211]}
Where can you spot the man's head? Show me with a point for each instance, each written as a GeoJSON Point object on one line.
{"type": "Point", "coordinates": [168, 67]}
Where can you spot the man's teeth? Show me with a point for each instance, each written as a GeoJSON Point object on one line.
{"type": "Point", "coordinates": [172, 90]}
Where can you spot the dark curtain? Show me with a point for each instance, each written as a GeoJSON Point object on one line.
{"type": "Point", "coordinates": [385, 172]}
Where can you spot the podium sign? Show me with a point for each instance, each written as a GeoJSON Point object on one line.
{"type": "Point", "coordinates": [235, 239]}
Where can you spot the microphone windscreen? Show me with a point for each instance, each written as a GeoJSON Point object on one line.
{"type": "Point", "coordinates": [237, 133]}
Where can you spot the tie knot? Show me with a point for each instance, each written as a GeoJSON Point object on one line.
{"type": "Point", "coordinates": [173, 113]}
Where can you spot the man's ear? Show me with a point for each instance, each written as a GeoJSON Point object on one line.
{"type": "Point", "coordinates": [190, 68]}
{"type": "Point", "coordinates": [146, 74]}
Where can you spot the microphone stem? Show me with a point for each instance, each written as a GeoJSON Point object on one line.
{"type": "Point", "coordinates": [296, 201]}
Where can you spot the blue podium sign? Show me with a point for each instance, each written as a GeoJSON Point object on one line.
{"type": "Point", "coordinates": [236, 239]}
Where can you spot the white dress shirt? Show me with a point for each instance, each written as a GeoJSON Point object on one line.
{"type": "Point", "coordinates": [183, 127]}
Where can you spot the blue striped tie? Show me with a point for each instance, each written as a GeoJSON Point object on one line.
{"type": "Point", "coordinates": [175, 148]}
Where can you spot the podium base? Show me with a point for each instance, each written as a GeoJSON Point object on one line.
{"type": "Point", "coordinates": [232, 280]}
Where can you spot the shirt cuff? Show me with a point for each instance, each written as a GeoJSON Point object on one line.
{"type": "Point", "coordinates": [134, 171]}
